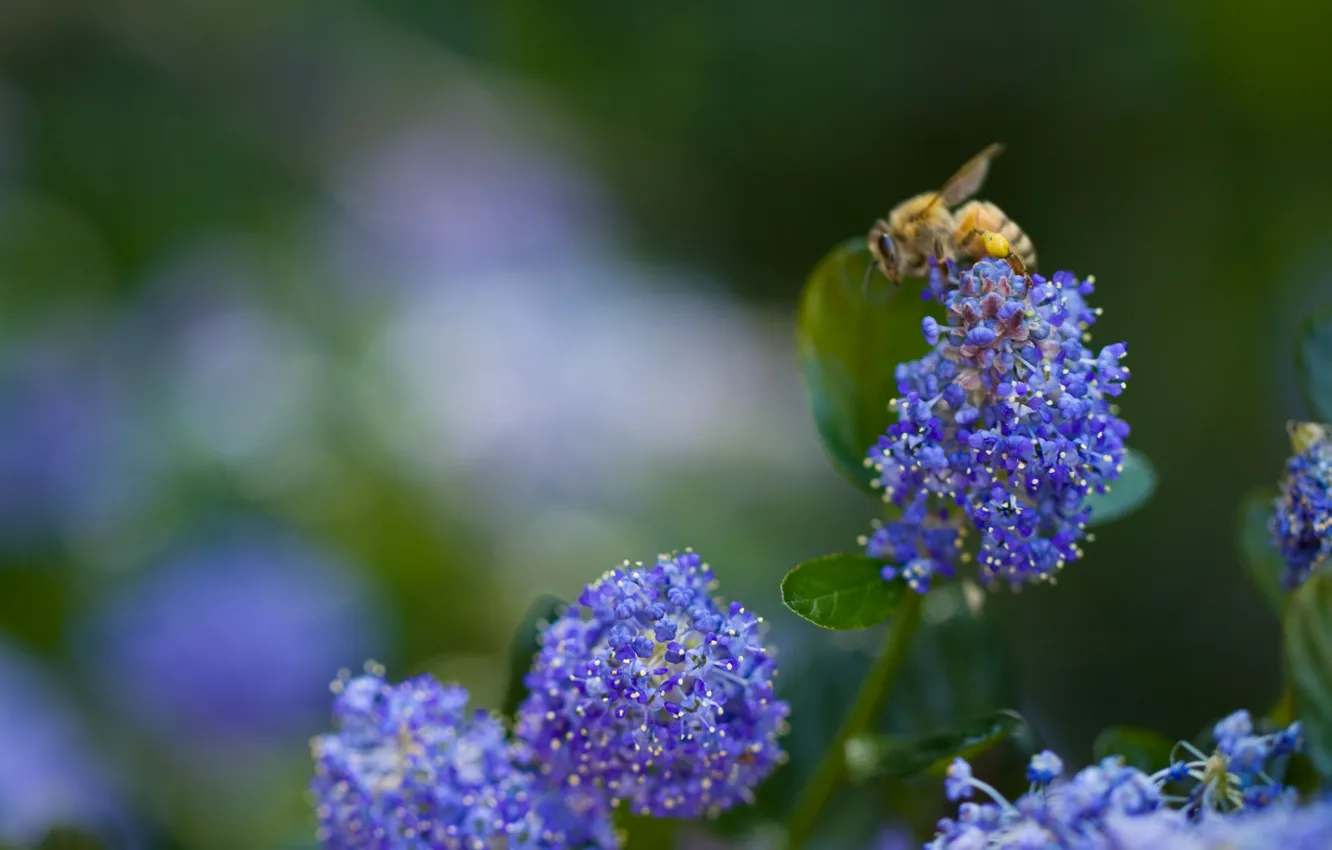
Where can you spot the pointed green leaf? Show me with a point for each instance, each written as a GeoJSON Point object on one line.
{"type": "Point", "coordinates": [874, 757]}
{"type": "Point", "coordinates": [1145, 749]}
{"type": "Point", "coordinates": [1261, 559]}
{"type": "Point", "coordinates": [1308, 628]}
{"type": "Point", "coordinates": [851, 333]}
{"type": "Point", "coordinates": [1313, 363]}
{"type": "Point", "coordinates": [842, 592]}
{"type": "Point", "coordinates": [543, 610]}
{"type": "Point", "coordinates": [1129, 492]}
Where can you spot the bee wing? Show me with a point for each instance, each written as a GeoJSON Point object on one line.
{"type": "Point", "coordinates": [968, 179]}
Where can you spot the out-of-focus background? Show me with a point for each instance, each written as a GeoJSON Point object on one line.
{"type": "Point", "coordinates": [340, 330]}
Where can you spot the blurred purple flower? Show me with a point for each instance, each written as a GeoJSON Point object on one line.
{"type": "Point", "coordinates": [581, 381]}
{"type": "Point", "coordinates": [46, 775]}
{"type": "Point", "coordinates": [468, 189]}
{"type": "Point", "coordinates": [233, 636]}
{"type": "Point", "coordinates": [241, 380]}
{"type": "Point", "coordinates": [70, 462]}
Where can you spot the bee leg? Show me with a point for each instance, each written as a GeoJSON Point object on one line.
{"type": "Point", "coordinates": [1015, 263]}
{"type": "Point", "coordinates": [939, 256]}
{"type": "Point", "coordinates": [974, 232]}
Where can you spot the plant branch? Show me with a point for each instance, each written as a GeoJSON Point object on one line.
{"type": "Point", "coordinates": [874, 691]}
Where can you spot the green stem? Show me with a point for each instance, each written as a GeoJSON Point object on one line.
{"type": "Point", "coordinates": [874, 691]}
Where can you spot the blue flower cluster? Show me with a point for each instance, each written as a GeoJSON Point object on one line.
{"type": "Point", "coordinates": [409, 767]}
{"type": "Point", "coordinates": [647, 691]}
{"type": "Point", "coordinates": [1301, 525]}
{"type": "Point", "coordinates": [1006, 426]}
{"type": "Point", "coordinates": [651, 691]}
{"type": "Point", "coordinates": [1103, 802]}
{"type": "Point", "coordinates": [1277, 827]}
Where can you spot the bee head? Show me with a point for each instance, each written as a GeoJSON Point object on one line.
{"type": "Point", "coordinates": [884, 250]}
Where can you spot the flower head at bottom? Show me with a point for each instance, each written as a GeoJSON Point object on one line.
{"type": "Point", "coordinates": [1101, 804]}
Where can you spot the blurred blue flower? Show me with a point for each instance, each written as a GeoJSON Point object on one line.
{"type": "Point", "coordinates": [472, 187]}
{"type": "Point", "coordinates": [233, 636]}
{"type": "Point", "coordinates": [1005, 428]}
{"type": "Point", "coordinates": [894, 838]}
{"type": "Point", "coordinates": [410, 767]}
{"type": "Point", "coordinates": [651, 690]}
{"type": "Point", "coordinates": [69, 458]}
{"type": "Point", "coordinates": [1301, 524]}
{"type": "Point", "coordinates": [47, 777]}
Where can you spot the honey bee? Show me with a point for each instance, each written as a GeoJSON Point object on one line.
{"type": "Point", "coordinates": [925, 226]}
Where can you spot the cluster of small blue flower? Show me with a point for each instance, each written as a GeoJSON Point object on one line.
{"type": "Point", "coordinates": [409, 767]}
{"type": "Point", "coordinates": [1301, 525]}
{"type": "Point", "coordinates": [651, 690]}
{"type": "Point", "coordinates": [1111, 805]}
{"type": "Point", "coordinates": [1006, 426]}
{"type": "Point", "coordinates": [646, 692]}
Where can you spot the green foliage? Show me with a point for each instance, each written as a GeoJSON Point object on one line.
{"type": "Point", "coordinates": [1130, 491]}
{"type": "Point", "coordinates": [1261, 560]}
{"type": "Point", "coordinates": [842, 592]}
{"type": "Point", "coordinates": [1308, 630]}
{"type": "Point", "coordinates": [1145, 749]}
{"type": "Point", "coordinates": [645, 833]}
{"type": "Point", "coordinates": [543, 610]}
{"type": "Point", "coordinates": [957, 670]}
{"type": "Point", "coordinates": [851, 332]}
{"type": "Point", "coordinates": [68, 838]}
{"type": "Point", "coordinates": [899, 758]}
{"type": "Point", "coordinates": [1313, 364]}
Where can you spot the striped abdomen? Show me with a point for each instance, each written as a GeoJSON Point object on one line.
{"type": "Point", "coordinates": [975, 217]}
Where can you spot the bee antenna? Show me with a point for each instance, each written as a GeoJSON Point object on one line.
{"type": "Point", "coordinates": [864, 284]}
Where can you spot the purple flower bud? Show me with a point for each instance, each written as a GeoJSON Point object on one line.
{"type": "Point", "coordinates": [931, 330]}
{"type": "Point", "coordinates": [980, 336]}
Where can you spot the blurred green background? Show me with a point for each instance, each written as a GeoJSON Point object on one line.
{"type": "Point", "coordinates": [337, 330]}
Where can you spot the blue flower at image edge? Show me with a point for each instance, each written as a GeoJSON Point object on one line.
{"type": "Point", "coordinates": [47, 776]}
{"type": "Point", "coordinates": [1004, 429]}
{"type": "Point", "coordinates": [1301, 523]}
{"type": "Point", "coordinates": [71, 458]}
{"type": "Point", "coordinates": [653, 691]}
{"type": "Point", "coordinates": [232, 636]}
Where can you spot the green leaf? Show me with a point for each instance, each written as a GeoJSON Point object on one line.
{"type": "Point", "coordinates": [1261, 559]}
{"type": "Point", "coordinates": [850, 335]}
{"type": "Point", "coordinates": [1308, 629]}
{"type": "Point", "coordinates": [1145, 749]}
{"type": "Point", "coordinates": [1129, 492]}
{"type": "Point", "coordinates": [544, 609]}
{"type": "Point", "coordinates": [842, 592]}
{"type": "Point", "coordinates": [1313, 363]}
{"type": "Point", "coordinates": [875, 757]}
